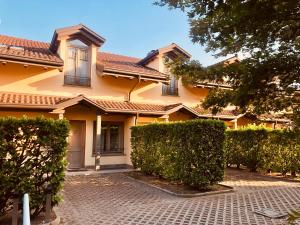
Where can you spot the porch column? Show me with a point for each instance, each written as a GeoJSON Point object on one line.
{"type": "Point", "coordinates": [98, 144]}
{"type": "Point", "coordinates": [165, 117]}
{"type": "Point", "coordinates": [235, 124]}
{"type": "Point", "coordinates": [59, 112]}
{"type": "Point", "coordinates": [60, 116]}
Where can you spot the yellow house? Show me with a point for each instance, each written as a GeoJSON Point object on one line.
{"type": "Point", "coordinates": [101, 94]}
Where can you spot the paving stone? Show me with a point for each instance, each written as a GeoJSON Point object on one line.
{"type": "Point", "coordinates": [116, 199]}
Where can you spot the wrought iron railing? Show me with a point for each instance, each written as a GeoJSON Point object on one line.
{"type": "Point", "coordinates": [77, 80]}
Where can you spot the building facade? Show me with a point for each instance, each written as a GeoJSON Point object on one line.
{"type": "Point", "coordinates": [101, 94]}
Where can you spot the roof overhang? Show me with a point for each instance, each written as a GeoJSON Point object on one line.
{"type": "Point", "coordinates": [212, 85]}
{"type": "Point", "coordinates": [225, 117]}
{"type": "Point", "coordinates": [81, 32]}
{"type": "Point", "coordinates": [182, 107]}
{"type": "Point", "coordinates": [172, 48]}
{"type": "Point", "coordinates": [130, 75]}
{"type": "Point", "coordinates": [75, 101]}
{"type": "Point", "coordinates": [28, 61]}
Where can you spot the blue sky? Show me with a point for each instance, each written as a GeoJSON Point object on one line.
{"type": "Point", "coordinates": [130, 27]}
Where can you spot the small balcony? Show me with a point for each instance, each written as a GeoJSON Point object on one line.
{"type": "Point", "coordinates": [77, 80]}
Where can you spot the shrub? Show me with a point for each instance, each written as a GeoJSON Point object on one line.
{"type": "Point", "coordinates": [258, 147]}
{"type": "Point", "coordinates": [32, 156]}
{"type": "Point", "coordinates": [245, 146]}
{"type": "Point", "coordinates": [282, 151]}
{"type": "Point", "coordinates": [190, 152]}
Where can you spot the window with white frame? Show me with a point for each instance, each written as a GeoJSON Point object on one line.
{"type": "Point", "coordinates": [77, 64]}
{"type": "Point", "coordinates": [111, 138]}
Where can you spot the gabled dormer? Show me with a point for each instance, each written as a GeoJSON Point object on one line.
{"type": "Point", "coordinates": [77, 46]}
{"type": "Point", "coordinates": [156, 60]}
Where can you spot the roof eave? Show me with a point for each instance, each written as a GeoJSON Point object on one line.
{"type": "Point", "coordinates": [26, 60]}
{"type": "Point", "coordinates": [79, 29]}
{"type": "Point", "coordinates": [27, 106]}
{"type": "Point", "coordinates": [110, 71]}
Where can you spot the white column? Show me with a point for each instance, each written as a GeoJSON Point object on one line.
{"type": "Point", "coordinates": [167, 119]}
{"type": "Point", "coordinates": [235, 124]}
{"type": "Point", "coordinates": [60, 116]}
{"type": "Point", "coordinates": [59, 112]}
{"type": "Point", "coordinates": [131, 121]}
{"type": "Point", "coordinates": [98, 144]}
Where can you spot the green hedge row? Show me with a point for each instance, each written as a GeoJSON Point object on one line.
{"type": "Point", "coordinates": [32, 156]}
{"type": "Point", "coordinates": [261, 148]}
{"type": "Point", "coordinates": [190, 152]}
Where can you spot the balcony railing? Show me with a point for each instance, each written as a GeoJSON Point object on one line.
{"type": "Point", "coordinates": [77, 80]}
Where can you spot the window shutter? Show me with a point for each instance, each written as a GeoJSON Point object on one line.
{"type": "Point", "coordinates": [83, 63]}
{"type": "Point", "coordinates": [171, 88]}
{"type": "Point", "coordinates": [164, 89]}
{"type": "Point", "coordinates": [71, 61]}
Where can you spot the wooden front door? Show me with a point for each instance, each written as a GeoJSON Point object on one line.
{"type": "Point", "coordinates": [75, 155]}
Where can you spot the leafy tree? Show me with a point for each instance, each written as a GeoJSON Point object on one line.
{"type": "Point", "coordinates": [267, 30]}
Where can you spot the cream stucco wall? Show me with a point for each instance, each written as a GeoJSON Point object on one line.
{"type": "Point", "coordinates": [37, 80]}
{"type": "Point", "coordinates": [88, 115]}
{"type": "Point", "coordinates": [48, 81]}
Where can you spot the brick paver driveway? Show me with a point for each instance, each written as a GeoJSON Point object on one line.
{"type": "Point", "coordinates": [116, 199]}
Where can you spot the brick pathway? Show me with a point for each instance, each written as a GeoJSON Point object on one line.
{"type": "Point", "coordinates": [115, 199]}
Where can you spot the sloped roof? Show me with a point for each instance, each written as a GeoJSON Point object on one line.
{"type": "Point", "coordinates": [226, 114]}
{"type": "Point", "coordinates": [273, 118]}
{"type": "Point", "coordinates": [167, 49]}
{"type": "Point", "coordinates": [213, 84]}
{"type": "Point", "coordinates": [23, 50]}
{"type": "Point", "coordinates": [21, 100]}
{"type": "Point", "coordinates": [120, 64]}
{"type": "Point", "coordinates": [80, 32]}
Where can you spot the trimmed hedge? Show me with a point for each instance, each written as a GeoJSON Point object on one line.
{"type": "Point", "coordinates": [32, 156]}
{"type": "Point", "coordinates": [190, 152]}
{"type": "Point", "coordinates": [261, 148]}
{"type": "Point", "coordinates": [245, 146]}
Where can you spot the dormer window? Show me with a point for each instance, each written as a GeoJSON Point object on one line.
{"type": "Point", "coordinates": [171, 88]}
{"type": "Point", "coordinates": [77, 64]}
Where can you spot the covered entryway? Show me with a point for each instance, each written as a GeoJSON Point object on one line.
{"type": "Point", "coordinates": [75, 154]}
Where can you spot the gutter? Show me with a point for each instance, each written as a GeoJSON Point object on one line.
{"type": "Point", "coordinates": [146, 75]}
{"type": "Point", "coordinates": [31, 61]}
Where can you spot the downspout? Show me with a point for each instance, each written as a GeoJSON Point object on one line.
{"type": "Point", "coordinates": [132, 89]}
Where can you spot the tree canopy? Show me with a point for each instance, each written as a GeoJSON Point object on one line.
{"type": "Point", "coordinates": [268, 31]}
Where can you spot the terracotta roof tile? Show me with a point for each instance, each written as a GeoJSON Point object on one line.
{"type": "Point", "coordinates": [273, 117]}
{"type": "Point", "coordinates": [46, 101]}
{"type": "Point", "coordinates": [126, 64]}
{"type": "Point", "coordinates": [223, 113]}
{"type": "Point", "coordinates": [169, 107]}
{"type": "Point", "coordinates": [130, 106]}
{"type": "Point", "coordinates": [27, 50]}
{"type": "Point", "coordinates": [27, 100]}
{"type": "Point", "coordinates": [51, 102]}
